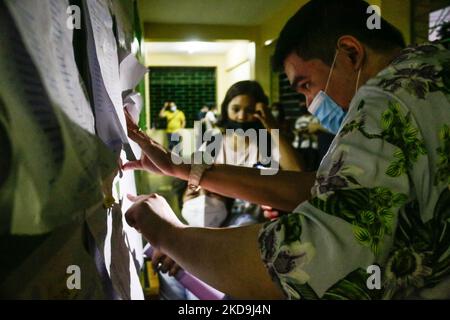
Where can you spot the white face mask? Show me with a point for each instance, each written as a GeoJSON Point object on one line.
{"type": "Point", "coordinates": [173, 108]}
{"type": "Point", "coordinates": [204, 211]}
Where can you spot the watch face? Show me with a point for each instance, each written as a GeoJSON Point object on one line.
{"type": "Point", "coordinates": [193, 187]}
{"type": "Point", "coordinates": [196, 174]}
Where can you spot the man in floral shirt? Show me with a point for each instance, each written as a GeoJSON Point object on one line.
{"type": "Point", "coordinates": [380, 202]}
{"type": "Point", "coordinates": [382, 194]}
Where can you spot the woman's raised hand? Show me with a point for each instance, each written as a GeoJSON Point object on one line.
{"type": "Point", "coordinates": [264, 115]}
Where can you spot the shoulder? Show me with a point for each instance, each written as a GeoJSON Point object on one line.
{"type": "Point", "coordinates": [416, 73]}
{"type": "Point", "coordinates": [413, 91]}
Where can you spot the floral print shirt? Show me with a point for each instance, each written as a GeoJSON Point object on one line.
{"type": "Point", "coordinates": [380, 206]}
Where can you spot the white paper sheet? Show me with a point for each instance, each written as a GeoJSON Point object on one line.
{"type": "Point", "coordinates": [121, 247]}
{"type": "Point", "coordinates": [61, 162]}
{"type": "Point", "coordinates": [42, 25]}
{"type": "Point", "coordinates": [133, 103]}
{"type": "Point", "coordinates": [131, 72]}
{"type": "Point", "coordinates": [104, 67]}
{"type": "Point", "coordinates": [60, 168]}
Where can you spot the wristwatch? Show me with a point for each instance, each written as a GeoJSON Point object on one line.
{"type": "Point", "coordinates": [196, 173]}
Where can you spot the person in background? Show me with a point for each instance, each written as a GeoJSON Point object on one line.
{"type": "Point", "coordinates": [202, 113]}
{"type": "Point", "coordinates": [311, 139]}
{"type": "Point", "coordinates": [176, 120]}
{"type": "Point", "coordinates": [201, 119]}
{"type": "Point", "coordinates": [324, 140]}
{"type": "Point", "coordinates": [306, 140]}
{"type": "Point", "coordinates": [207, 117]}
{"type": "Point", "coordinates": [279, 114]}
{"type": "Point", "coordinates": [210, 117]}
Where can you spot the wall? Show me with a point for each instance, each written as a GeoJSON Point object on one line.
{"type": "Point", "coordinates": [183, 32]}
{"type": "Point", "coordinates": [178, 60]}
{"type": "Point", "coordinates": [398, 13]}
{"type": "Point", "coordinates": [232, 66]}
{"type": "Point", "coordinates": [228, 71]}
{"type": "Point", "coordinates": [262, 66]}
{"type": "Point", "coordinates": [239, 64]}
{"type": "Point", "coordinates": [269, 30]}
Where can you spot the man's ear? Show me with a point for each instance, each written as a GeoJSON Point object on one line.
{"type": "Point", "coordinates": [354, 50]}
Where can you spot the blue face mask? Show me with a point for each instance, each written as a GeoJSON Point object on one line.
{"type": "Point", "coordinates": [329, 113]}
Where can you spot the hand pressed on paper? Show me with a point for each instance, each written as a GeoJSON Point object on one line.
{"type": "Point", "coordinates": [152, 216]}
{"type": "Point", "coordinates": [155, 158]}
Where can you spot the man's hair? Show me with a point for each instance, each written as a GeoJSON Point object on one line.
{"type": "Point", "coordinates": [314, 30]}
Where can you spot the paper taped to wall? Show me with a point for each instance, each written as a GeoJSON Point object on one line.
{"type": "Point", "coordinates": [42, 25]}
{"type": "Point", "coordinates": [131, 72]}
{"type": "Point", "coordinates": [58, 162]}
{"type": "Point", "coordinates": [104, 68]}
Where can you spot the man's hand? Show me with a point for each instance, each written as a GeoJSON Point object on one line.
{"type": "Point", "coordinates": [164, 263]}
{"type": "Point", "coordinates": [163, 109]}
{"type": "Point", "coordinates": [270, 213]}
{"type": "Point", "coordinates": [142, 164]}
{"type": "Point", "coordinates": [155, 158]}
{"type": "Point", "coordinates": [152, 216]}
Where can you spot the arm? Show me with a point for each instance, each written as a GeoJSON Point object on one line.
{"type": "Point", "coordinates": [232, 253]}
{"type": "Point", "coordinates": [284, 191]}
{"type": "Point", "coordinates": [281, 191]}
{"type": "Point", "coordinates": [183, 120]}
{"type": "Point", "coordinates": [289, 158]}
{"type": "Point", "coordinates": [238, 269]}
{"type": "Point", "coordinates": [161, 113]}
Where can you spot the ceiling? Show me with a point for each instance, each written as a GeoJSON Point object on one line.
{"type": "Point", "coordinates": [223, 12]}
{"type": "Point", "coordinates": [191, 47]}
